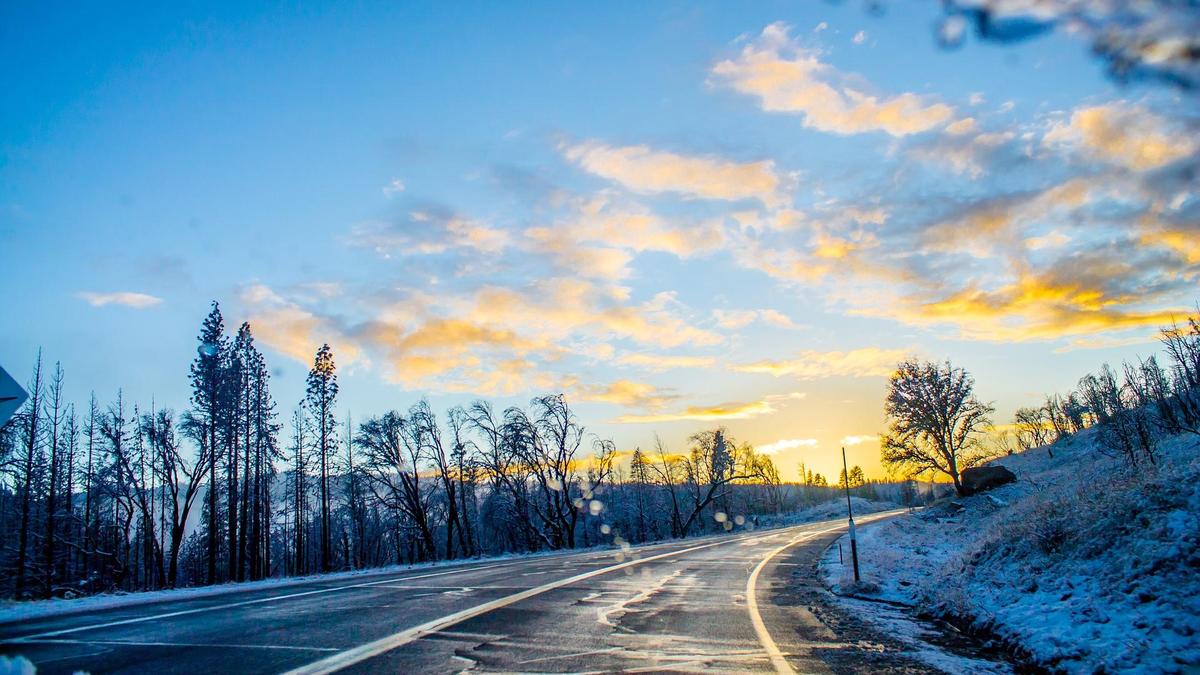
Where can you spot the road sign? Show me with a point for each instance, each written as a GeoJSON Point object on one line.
{"type": "Point", "coordinates": [11, 396]}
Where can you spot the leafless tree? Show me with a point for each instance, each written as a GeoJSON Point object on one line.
{"type": "Point", "coordinates": [935, 420]}
{"type": "Point", "coordinates": [392, 453]}
{"type": "Point", "coordinates": [180, 482]}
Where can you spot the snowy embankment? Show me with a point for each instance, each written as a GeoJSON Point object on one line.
{"type": "Point", "coordinates": [1082, 565]}
{"type": "Point", "coordinates": [11, 610]}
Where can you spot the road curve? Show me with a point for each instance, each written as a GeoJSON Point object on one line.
{"type": "Point", "coordinates": [724, 603]}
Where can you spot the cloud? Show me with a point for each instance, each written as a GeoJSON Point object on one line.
{"type": "Point", "coordinates": [711, 413]}
{"type": "Point", "coordinates": [599, 236]}
{"type": "Point", "coordinates": [427, 232]}
{"type": "Point", "coordinates": [967, 151]}
{"type": "Point", "coordinates": [123, 298]}
{"type": "Point", "coordinates": [734, 319]}
{"type": "Point", "coordinates": [625, 393]}
{"type": "Point", "coordinates": [786, 444]}
{"type": "Point", "coordinates": [1124, 135]}
{"type": "Point", "coordinates": [1106, 342]}
{"type": "Point", "coordinates": [596, 262]}
{"type": "Point", "coordinates": [1086, 295]}
{"type": "Point", "coordinates": [294, 331]}
{"type": "Point", "coordinates": [789, 78]}
{"type": "Point", "coordinates": [979, 226]}
{"type": "Point", "coordinates": [396, 186]}
{"type": "Point", "coordinates": [1182, 241]}
{"type": "Point", "coordinates": [488, 340]}
{"type": "Point", "coordinates": [642, 169]}
{"type": "Point", "coordinates": [1052, 239]}
{"type": "Point", "coordinates": [859, 37]}
{"type": "Point", "coordinates": [606, 219]}
{"type": "Point", "coordinates": [858, 440]}
{"type": "Point", "coordinates": [661, 362]}
{"type": "Point", "coordinates": [865, 362]}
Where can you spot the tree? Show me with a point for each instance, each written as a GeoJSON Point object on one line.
{"type": "Point", "coordinates": [174, 471]}
{"type": "Point", "coordinates": [33, 433]}
{"type": "Point", "coordinates": [1031, 428]}
{"type": "Point", "coordinates": [935, 420]}
{"type": "Point", "coordinates": [423, 417]}
{"type": "Point", "coordinates": [713, 465]}
{"type": "Point", "coordinates": [207, 376]}
{"type": "Point", "coordinates": [856, 479]}
{"type": "Point", "coordinates": [321, 396]}
{"type": "Point", "coordinates": [392, 450]}
{"type": "Point", "coordinates": [56, 416]}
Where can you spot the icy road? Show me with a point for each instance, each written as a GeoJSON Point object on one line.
{"type": "Point", "coordinates": [741, 603]}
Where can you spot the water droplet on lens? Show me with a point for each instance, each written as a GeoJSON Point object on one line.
{"type": "Point", "coordinates": [951, 30]}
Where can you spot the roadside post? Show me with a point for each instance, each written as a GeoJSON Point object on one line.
{"type": "Point", "coordinates": [850, 513]}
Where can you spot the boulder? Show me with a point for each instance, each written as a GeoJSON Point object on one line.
{"type": "Point", "coordinates": [980, 478]}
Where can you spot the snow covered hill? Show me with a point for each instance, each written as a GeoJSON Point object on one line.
{"type": "Point", "coordinates": [1082, 565]}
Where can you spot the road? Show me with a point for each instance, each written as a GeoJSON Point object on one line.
{"type": "Point", "coordinates": [740, 603]}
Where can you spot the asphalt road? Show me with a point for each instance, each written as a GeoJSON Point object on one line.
{"type": "Point", "coordinates": [740, 603]}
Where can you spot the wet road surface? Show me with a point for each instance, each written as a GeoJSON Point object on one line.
{"type": "Point", "coordinates": [739, 603]}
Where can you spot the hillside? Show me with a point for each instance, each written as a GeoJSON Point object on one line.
{"type": "Point", "coordinates": [1082, 565]}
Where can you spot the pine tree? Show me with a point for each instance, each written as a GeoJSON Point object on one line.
{"type": "Point", "coordinates": [322, 393]}
{"type": "Point", "coordinates": [207, 374]}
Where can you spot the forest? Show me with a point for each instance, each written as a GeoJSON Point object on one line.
{"type": "Point", "coordinates": [119, 496]}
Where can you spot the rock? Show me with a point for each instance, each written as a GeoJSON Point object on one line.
{"type": "Point", "coordinates": [980, 478]}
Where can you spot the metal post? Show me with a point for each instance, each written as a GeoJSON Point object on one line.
{"type": "Point", "coordinates": [850, 513]}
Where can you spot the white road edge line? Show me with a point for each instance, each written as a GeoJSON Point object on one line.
{"type": "Point", "coordinates": [257, 601]}
{"type": "Point", "coordinates": [350, 657]}
{"type": "Point", "coordinates": [126, 643]}
{"type": "Point", "coordinates": [782, 667]}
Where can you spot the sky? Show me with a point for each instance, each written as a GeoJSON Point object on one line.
{"type": "Point", "coordinates": [679, 215]}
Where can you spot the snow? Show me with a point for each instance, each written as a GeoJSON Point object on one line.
{"type": "Point", "coordinates": [1080, 566]}
{"type": "Point", "coordinates": [829, 510]}
{"type": "Point", "coordinates": [21, 611]}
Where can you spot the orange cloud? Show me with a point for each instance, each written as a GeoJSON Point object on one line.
{"type": "Point", "coordinates": [293, 331]}
{"type": "Point", "coordinates": [1037, 306]}
{"type": "Point", "coordinates": [710, 413]}
{"type": "Point", "coordinates": [787, 77]}
{"type": "Point", "coordinates": [624, 393]}
{"type": "Point", "coordinates": [865, 362]}
{"type": "Point", "coordinates": [659, 362]}
{"type": "Point", "coordinates": [1125, 135]}
{"type": "Point", "coordinates": [643, 169]}
{"type": "Point", "coordinates": [734, 319]}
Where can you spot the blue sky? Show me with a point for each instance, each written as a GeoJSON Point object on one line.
{"type": "Point", "coordinates": [680, 215]}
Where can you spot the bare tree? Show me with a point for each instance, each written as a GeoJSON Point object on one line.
{"type": "Point", "coordinates": [430, 435]}
{"type": "Point", "coordinates": [935, 420]}
{"type": "Point", "coordinates": [180, 482]}
{"type": "Point", "coordinates": [1031, 426]}
{"type": "Point", "coordinates": [392, 453]}
{"type": "Point", "coordinates": [33, 434]}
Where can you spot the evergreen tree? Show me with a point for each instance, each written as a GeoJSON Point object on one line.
{"type": "Point", "coordinates": [207, 375]}
{"type": "Point", "coordinates": [321, 396]}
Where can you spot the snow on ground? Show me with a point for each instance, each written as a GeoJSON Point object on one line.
{"type": "Point", "coordinates": [829, 510]}
{"type": "Point", "coordinates": [1080, 566]}
{"type": "Point", "coordinates": [11, 610]}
